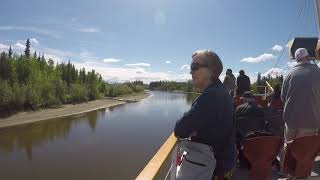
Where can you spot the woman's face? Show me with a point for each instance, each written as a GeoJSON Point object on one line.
{"type": "Point", "coordinates": [200, 73]}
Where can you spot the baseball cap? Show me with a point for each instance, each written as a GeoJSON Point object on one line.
{"type": "Point", "coordinates": [301, 53]}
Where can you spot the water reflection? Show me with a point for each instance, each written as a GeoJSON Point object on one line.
{"type": "Point", "coordinates": [27, 136]}
{"type": "Point", "coordinates": [113, 143]}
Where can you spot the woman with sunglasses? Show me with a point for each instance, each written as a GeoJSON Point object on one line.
{"type": "Point", "coordinates": [210, 120]}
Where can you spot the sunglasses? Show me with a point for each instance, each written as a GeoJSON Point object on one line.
{"type": "Point", "coordinates": [196, 66]}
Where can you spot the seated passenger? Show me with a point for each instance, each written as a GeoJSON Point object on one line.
{"type": "Point", "coordinates": [249, 117]}
{"type": "Point", "coordinates": [275, 99]}
{"type": "Point", "coordinates": [249, 108]}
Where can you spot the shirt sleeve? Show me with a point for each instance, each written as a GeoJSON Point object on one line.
{"type": "Point", "coordinates": [194, 119]}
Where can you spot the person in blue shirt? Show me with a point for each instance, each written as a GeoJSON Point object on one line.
{"type": "Point", "coordinates": [211, 117]}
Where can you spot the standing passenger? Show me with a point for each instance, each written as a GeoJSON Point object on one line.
{"type": "Point", "coordinates": [243, 83]}
{"type": "Point", "coordinates": [301, 97]}
{"type": "Point", "coordinates": [210, 120]}
{"type": "Point", "coordinates": [229, 81]}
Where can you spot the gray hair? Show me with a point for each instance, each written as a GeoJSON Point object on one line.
{"type": "Point", "coordinates": [212, 60]}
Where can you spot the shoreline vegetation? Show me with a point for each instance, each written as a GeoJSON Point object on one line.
{"type": "Point", "coordinates": [32, 82]}
{"type": "Point", "coordinates": [66, 110]}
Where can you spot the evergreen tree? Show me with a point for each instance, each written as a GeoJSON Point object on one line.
{"type": "Point", "coordinates": [10, 52]}
{"type": "Point", "coordinates": [39, 58]}
{"type": "Point", "coordinates": [50, 62]}
{"type": "Point", "coordinates": [27, 50]}
{"type": "Point", "coordinates": [35, 55]}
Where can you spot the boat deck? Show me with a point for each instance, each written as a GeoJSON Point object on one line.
{"type": "Point", "coordinates": [243, 174]}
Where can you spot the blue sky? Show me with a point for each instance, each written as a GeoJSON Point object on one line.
{"type": "Point", "coordinates": [152, 40]}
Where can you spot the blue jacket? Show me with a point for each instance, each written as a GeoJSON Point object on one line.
{"type": "Point", "coordinates": [212, 118]}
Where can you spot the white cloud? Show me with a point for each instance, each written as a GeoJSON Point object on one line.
{"type": "Point", "coordinates": [58, 56]}
{"type": "Point", "coordinates": [130, 74]}
{"type": "Point", "coordinates": [55, 58]}
{"type": "Point", "coordinates": [261, 58]}
{"type": "Point", "coordinates": [111, 60]}
{"type": "Point", "coordinates": [19, 46]}
{"type": "Point", "coordinates": [88, 30]}
{"type": "Point", "coordinates": [273, 72]}
{"type": "Point", "coordinates": [88, 56]}
{"type": "Point", "coordinates": [4, 47]}
{"type": "Point", "coordinates": [139, 64]}
{"type": "Point", "coordinates": [47, 32]}
{"type": "Point", "coordinates": [277, 48]}
{"type": "Point", "coordinates": [186, 66]}
{"type": "Point", "coordinates": [253, 77]}
{"type": "Point", "coordinates": [139, 72]}
{"type": "Point", "coordinates": [54, 54]}
{"type": "Point", "coordinates": [34, 41]}
{"type": "Point", "coordinates": [168, 62]}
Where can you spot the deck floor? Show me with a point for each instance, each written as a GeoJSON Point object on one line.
{"type": "Point", "coordinates": [243, 174]}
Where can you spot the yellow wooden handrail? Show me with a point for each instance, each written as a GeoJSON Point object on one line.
{"type": "Point", "coordinates": [151, 170]}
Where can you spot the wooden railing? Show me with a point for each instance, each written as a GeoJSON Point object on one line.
{"type": "Point", "coordinates": [268, 90]}
{"type": "Point", "coordinates": [152, 169]}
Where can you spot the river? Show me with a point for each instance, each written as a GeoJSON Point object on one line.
{"type": "Point", "coordinates": [112, 143]}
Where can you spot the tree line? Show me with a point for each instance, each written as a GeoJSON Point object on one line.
{"type": "Point", "coordinates": [171, 86]}
{"type": "Point", "coordinates": [30, 81]}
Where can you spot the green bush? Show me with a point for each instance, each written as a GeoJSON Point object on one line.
{"type": "Point", "coordinates": [138, 88]}
{"type": "Point", "coordinates": [5, 93]}
{"type": "Point", "coordinates": [120, 89]}
{"type": "Point", "coordinates": [33, 98]}
{"type": "Point", "coordinates": [18, 96]}
{"type": "Point", "coordinates": [78, 93]}
{"type": "Point", "coordinates": [93, 92]}
{"type": "Point", "coordinates": [60, 89]}
{"type": "Point", "coordinates": [52, 102]}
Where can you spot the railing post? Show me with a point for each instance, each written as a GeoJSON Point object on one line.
{"type": "Point", "coordinates": [265, 92]}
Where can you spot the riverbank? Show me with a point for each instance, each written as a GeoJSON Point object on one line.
{"type": "Point", "coordinates": [68, 110]}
